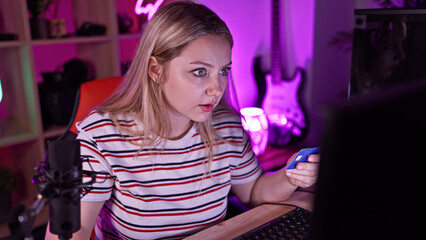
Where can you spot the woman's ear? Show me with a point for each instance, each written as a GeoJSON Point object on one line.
{"type": "Point", "coordinates": [154, 69]}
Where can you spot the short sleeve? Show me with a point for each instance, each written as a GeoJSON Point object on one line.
{"type": "Point", "coordinates": [94, 164]}
{"type": "Point", "coordinates": [246, 168]}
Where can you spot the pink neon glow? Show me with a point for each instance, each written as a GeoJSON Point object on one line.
{"type": "Point", "coordinates": [255, 123]}
{"type": "Point", "coordinates": [149, 9]}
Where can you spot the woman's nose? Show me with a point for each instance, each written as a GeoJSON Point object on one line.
{"type": "Point", "coordinates": [215, 87]}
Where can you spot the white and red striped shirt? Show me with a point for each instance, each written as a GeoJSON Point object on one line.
{"type": "Point", "coordinates": [162, 192]}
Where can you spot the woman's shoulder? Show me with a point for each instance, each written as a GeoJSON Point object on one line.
{"type": "Point", "coordinates": [102, 121]}
{"type": "Point", "coordinates": [93, 117]}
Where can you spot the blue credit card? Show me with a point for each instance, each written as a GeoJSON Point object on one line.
{"type": "Point", "coordinates": [302, 156]}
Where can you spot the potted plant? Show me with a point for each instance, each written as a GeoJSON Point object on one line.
{"type": "Point", "coordinates": [7, 186]}
{"type": "Point", "coordinates": [38, 23]}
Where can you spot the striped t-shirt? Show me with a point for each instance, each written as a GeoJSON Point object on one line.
{"type": "Point", "coordinates": [162, 192]}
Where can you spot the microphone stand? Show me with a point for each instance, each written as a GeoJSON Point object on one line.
{"type": "Point", "coordinates": [59, 185]}
{"type": "Point", "coordinates": [22, 221]}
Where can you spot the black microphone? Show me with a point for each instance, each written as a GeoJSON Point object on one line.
{"type": "Point", "coordinates": [65, 187]}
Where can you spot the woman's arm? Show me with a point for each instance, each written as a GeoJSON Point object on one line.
{"type": "Point", "coordinates": [89, 213]}
{"type": "Point", "coordinates": [280, 185]}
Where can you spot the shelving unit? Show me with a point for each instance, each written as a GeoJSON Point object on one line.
{"type": "Point", "coordinates": [22, 137]}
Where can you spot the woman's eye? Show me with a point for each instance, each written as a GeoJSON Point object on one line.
{"type": "Point", "coordinates": [201, 72]}
{"type": "Point", "coordinates": [225, 71]}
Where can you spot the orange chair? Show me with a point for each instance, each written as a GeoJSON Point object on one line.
{"type": "Point", "coordinates": [90, 95]}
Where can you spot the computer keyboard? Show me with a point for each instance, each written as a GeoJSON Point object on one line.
{"type": "Point", "coordinates": [292, 225]}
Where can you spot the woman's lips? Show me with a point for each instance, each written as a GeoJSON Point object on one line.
{"type": "Point", "coordinates": [207, 107]}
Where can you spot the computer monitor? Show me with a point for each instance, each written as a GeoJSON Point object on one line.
{"type": "Point", "coordinates": [372, 170]}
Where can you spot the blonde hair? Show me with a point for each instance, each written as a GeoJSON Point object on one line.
{"type": "Point", "coordinates": [171, 29]}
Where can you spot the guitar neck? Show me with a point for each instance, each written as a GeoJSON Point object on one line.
{"type": "Point", "coordinates": [276, 45]}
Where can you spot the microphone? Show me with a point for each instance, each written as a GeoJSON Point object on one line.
{"type": "Point", "coordinates": [65, 187]}
{"type": "Point", "coordinates": [59, 179]}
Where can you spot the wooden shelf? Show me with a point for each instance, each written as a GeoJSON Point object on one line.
{"type": "Point", "coordinates": [54, 131]}
{"type": "Point", "coordinates": [22, 137]}
{"type": "Point", "coordinates": [11, 44]}
{"type": "Point", "coordinates": [17, 138]}
{"type": "Point", "coordinates": [73, 40]}
{"type": "Point", "coordinates": [130, 36]}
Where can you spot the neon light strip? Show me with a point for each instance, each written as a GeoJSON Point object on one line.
{"type": "Point", "coordinates": [1, 92]}
{"type": "Point", "coordinates": [149, 9]}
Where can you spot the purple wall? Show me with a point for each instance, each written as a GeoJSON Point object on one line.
{"type": "Point", "coordinates": [307, 26]}
{"type": "Point", "coordinates": [250, 22]}
{"type": "Point", "coordinates": [251, 25]}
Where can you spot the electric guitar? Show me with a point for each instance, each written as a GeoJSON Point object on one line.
{"type": "Point", "coordinates": [280, 96]}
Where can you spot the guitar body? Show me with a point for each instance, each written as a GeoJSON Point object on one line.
{"type": "Point", "coordinates": [281, 98]}
{"type": "Point", "coordinates": [281, 102]}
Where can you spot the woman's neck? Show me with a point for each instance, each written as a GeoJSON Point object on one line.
{"type": "Point", "coordinates": [178, 133]}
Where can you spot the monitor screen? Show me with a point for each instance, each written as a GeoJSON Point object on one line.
{"type": "Point", "coordinates": [389, 47]}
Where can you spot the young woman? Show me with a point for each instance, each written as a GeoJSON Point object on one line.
{"type": "Point", "coordinates": [168, 143]}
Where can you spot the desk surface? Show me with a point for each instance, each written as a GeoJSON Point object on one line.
{"type": "Point", "coordinates": [255, 217]}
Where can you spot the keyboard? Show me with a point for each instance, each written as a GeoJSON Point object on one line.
{"type": "Point", "coordinates": [295, 224]}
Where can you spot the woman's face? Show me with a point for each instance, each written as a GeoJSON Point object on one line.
{"type": "Point", "coordinates": [197, 78]}
{"type": "Point", "coordinates": [385, 55]}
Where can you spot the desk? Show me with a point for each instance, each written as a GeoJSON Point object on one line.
{"type": "Point", "coordinates": [255, 217]}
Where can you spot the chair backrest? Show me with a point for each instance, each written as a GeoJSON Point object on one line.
{"type": "Point", "coordinates": [92, 94]}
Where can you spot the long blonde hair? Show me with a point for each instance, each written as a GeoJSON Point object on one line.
{"type": "Point", "coordinates": [171, 29]}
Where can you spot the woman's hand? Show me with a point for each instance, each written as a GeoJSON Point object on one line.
{"type": "Point", "coordinates": [306, 173]}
